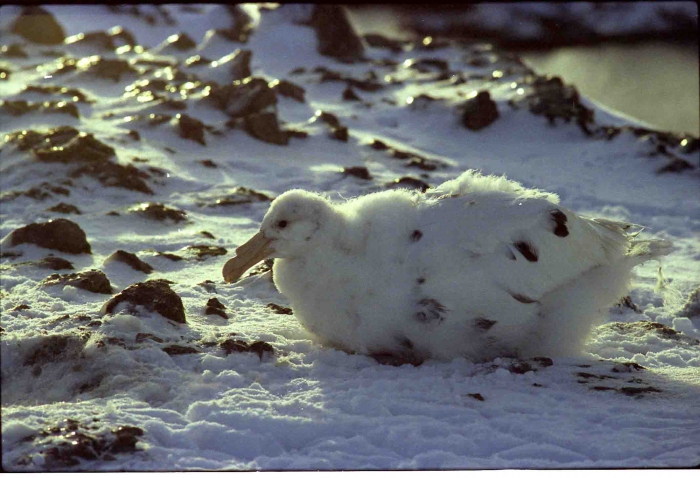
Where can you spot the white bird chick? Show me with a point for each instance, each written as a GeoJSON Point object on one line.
{"type": "Point", "coordinates": [477, 267]}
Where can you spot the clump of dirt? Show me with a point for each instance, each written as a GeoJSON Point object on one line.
{"type": "Point", "coordinates": [154, 295]}
{"type": "Point", "coordinates": [58, 234]}
{"type": "Point", "coordinates": [129, 259]}
{"type": "Point", "coordinates": [91, 281]}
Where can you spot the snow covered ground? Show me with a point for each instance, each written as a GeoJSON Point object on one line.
{"type": "Point", "coordinates": [132, 390]}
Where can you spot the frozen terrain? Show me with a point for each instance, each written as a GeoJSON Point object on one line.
{"type": "Point", "coordinates": [90, 383]}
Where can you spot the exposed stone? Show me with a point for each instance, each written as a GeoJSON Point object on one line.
{"type": "Point", "coordinates": [179, 350]}
{"type": "Point", "coordinates": [155, 295]}
{"type": "Point", "coordinates": [107, 68]}
{"type": "Point", "coordinates": [159, 212]}
{"type": "Point", "coordinates": [64, 208]}
{"type": "Point", "coordinates": [692, 305]}
{"type": "Point", "coordinates": [380, 41]}
{"type": "Point", "coordinates": [235, 345]}
{"type": "Point", "coordinates": [335, 34]}
{"type": "Point", "coordinates": [39, 26]}
{"type": "Point", "coordinates": [21, 107]}
{"type": "Point", "coordinates": [288, 89]}
{"type": "Point", "coordinates": [52, 263]}
{"type": "Point", "coordinates": [58, 234]}
{"type": "Point", "coordinates": [278, 309]}
{"type": "Point", "coordinates": [265, 127]}
{"type": "Point", "coordinates": [54, 348]}
{"type": "Point", "coordinates": [409, 182]}
{"type": "Point", "coordinates": [358, 172]}
{"type": "Point", "coordinates": [479, 111]}
{"type": "Point", "coordinates": [203, 251]}
{"type": "Point", "coordinates": [243, 97]}
{"type": "Point", "coordinates": [190, 128]}
{"type": "Point", "coordinates": [129, 259]}
{"type": "Point", "coordinates": [91, 281]}
{"type": "Point", "coordinates": [341, 133]}
{"type": "Point", "coordinates": [215, 307]}
{"type": "Point", "coordinates": [240, 195]}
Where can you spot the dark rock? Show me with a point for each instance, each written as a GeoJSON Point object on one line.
{"type": "Point", "coordinates": [53, 263]}
{"type": "Point", "coordinates": [422, 164]}
{"type": "Point", "coordinates": [264, 126]}
{"type": "Point", "coordinates": [142, 337]}
{"type": "Point", "coordinates": [202, 251]}
{"type": "Point", "coordinates": [380, 41]}
{"type": "Point", "coordinates": [691, 308]}
{"type": "Point", "coordinates": [292, 133]}
{"type": "Point", "coordinates": [241, 195]}
{"type": "Point", "coordinates": [261, 348]}
{"type": "Point", "coordinates": [519, 367]}
{"type": "Point", "coordinates": [91, 281]}
{"type": "Point", "coordinates": [38, 26]}
{"type": "Point", "coordinates": [82, 148]}
{"type": "Point", "coordinates": [358, 172]}
{"type": "Point", "coordinates": [379, 145]}
{"type": "Point", "coordinates": [21, 107]}
{"type": "Point", "coordinates": [638, 391]}
{"type": "Point", "coordinates": [154, 295]}
{"type": "Point", "coordinates": [328, 118]}
{"type": "Point", "coordinates": [476, 396]}
{"type": "Point", "coordinates": [335, 34]}
{"type": "Point", "coordinates": [394, 360]}
{"type": "Point", "coordinates": [544, 361]}
{"type": "Point", "coordinates": [58, 234]}
{"type": "Point", "coordinates": [676, 165]}
{"type": "Point", "coordinates": [479, 111]}
{"type": "Point", "coordinates": [278, 309]}
{"type": "Point", "coordinates": [54, 348]}
{"type": "Point", "coordinates": [234, 346]}
{"type": "Point", "coordinates": [409, 182]}
{"type": "Point", "coordinates": [179, 350]}
{"type": "Point", "coordinates": [14, 50]}
{"type": "Point", "coordinates": [216, 307]}
{"type": "Point", "coordinates": [350, 95]}
{"type": "Point", "coordinates": [20, 307]}
{"type": "Point", "coordinates": [207, 163]}
{"type": "Point", "coordinates": [64, 208]}
{"type": "Point", "coordinates": [190, 128]}
{"type": "Point", "coordinates": [341, 133]}
{"type": "Point", "coordinates": [159, 212]}
{"type": "Point", "coordinates": [243, 97]}
{"type": "Point", "coordinates": [111, 174]}
{"type": "Point", "coordinates": [172, 257]}
{"type": "Point", "coordinates": [125, 439]}
{"type": "Point", "coordinates": [484, 324]}
{"type": "Point", "coordinates": [207, 234]}
{"type": "Point", "coordinates": [289, 89]}
{"type": "Point", "coordinates": [181, 42]}
{"type": "Point", "coordinates": [129, 259]}
{"type": "Point", "coordinates": [110, 69]}
{"type": "Point", "coordinates": [627, 303]}
{"type": "Point", "coordinates": [240, 64]}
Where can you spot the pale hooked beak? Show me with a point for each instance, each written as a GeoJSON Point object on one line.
{"type": "Point", "coordinates": [257, 248]}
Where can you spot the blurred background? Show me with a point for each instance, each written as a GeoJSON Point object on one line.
{"type": "Point", "coordinates": [638, 58]}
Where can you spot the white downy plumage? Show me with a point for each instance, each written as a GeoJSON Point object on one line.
{"type": "Point", "coordinates": [477, 267]}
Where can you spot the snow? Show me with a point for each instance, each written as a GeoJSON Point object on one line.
{"type": "Point", "coordinates": [310, 406]}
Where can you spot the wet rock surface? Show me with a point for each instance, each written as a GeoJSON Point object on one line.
{"type": "Point", "coordinates": [91, 281]}
{"type": "Point", "coordinates": [154, 295]}
{"type": "Point", "coordinates": [479, 111]}
{"type": "Point", "coordinates": [202, 251]}
{"type": "Point", "coordinates": [58, 234]}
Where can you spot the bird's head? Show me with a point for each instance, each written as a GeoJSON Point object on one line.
{"type": "Point", "coordinates": [294, 225]}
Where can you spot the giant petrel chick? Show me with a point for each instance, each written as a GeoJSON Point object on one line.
{"type": "Point", "coordinates": [477, 267]}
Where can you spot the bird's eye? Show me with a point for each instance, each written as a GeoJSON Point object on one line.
{"type": "Point", "coordinates": [282, 224]}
